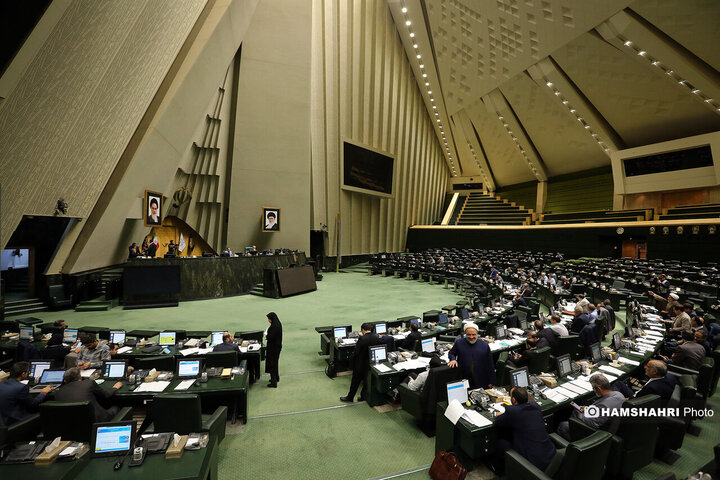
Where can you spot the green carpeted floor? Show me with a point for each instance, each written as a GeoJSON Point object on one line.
{"type": "Point", "coordinates": [301, 429]}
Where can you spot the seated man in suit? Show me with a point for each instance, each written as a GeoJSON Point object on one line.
{"type": "Point", "coordinates": [522, 428]}
{"type": "Point", "coordinates": [414, 335]}
{"type": "Point", "coordinates": [688, 354]}
{"type": "Point", "coordinates": [548, 333]}
{"type": "Point", "coordinates": [77, 389]}
{"type": "Point", "coordinates": [557, 326]}
{"type": "Point", "coordinates": [606, 398]}
{"type": "Point", "coordinates": [533, 342]}
{"type": "Point", "coordinates": [659, 382]}
{"type": "Point", "coordinates": [582, 302]}
{"type": "Point", "coordinates": [227, 344]}
{"type": "Point", "coordinates": [16, 402]}
{"type": "Point", "coordinates": [55, 350]}
{"type": "Point", "coordinates": [581, 319]}
{"type": "Point", "coordinates": [592, 312]}
{"type": "Point", "coordinates": [519, 300]}
{"type": "Point", "coordinates": [361, 361]}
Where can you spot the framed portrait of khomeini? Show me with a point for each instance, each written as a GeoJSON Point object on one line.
{"type": "Point", "coordinates": [271, 219]}
{"type": "Point", "coordinates": [152, 212]}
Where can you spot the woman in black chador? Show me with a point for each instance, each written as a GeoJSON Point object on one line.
{"type": "Point", "coordinates": [272, 349]}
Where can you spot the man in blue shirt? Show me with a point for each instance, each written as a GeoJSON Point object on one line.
{"type": "Point", "coordinates": [15, 399]}
{"type": "Point", "coordinates": [474, 358]}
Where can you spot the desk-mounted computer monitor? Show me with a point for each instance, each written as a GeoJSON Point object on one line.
{"type": "Point", "coordinates": [442, 318]}
{"type": "Point", "coordinates": [564, 367]}
{"type": "Point", "coordinates": [117, 337]}
{"type": "Point", "coordinates": [458, 391]}
{"type": "Point", "coordinates": [431, 317]}
{"type": "Point", "coordinates": [114, 369]}
{"type": "Point", "coordinates": [519, 377]}
{"type": "Point", "coordinates": [378, 353]}
{"type": "Point", "coordinates": [416, 321]}
{"type": "Point", "coordinates": [464, 314]}
{"type": "Point", "coordinates": [166, 339]}
{"type": "Point", "coordinates": [380, 328]}
{"type": "Point", "coordinates": [27, 333]}
{"type": "Point", "coordinates": [595, 349]}
{"type": "Point", "coordinates": [216, 338]}
{"type": "Point", "coordinates": [500, 331]}
{"type": "Point", "coordinates": [617, 344]}
{"type": "Point", "coordinates": [524, 323]}
{"type": "Point", "coordinates": [188, 368]}
{"type": "Point", "coordinates": [339, 332]}
{"type": "Point", "coordinates": [70, 335]}
{"type": "Point", "coordinates": [37, 368]}
{"type": "Point", "coordinates": [112, 438]}
{"type": "Point", "coordinates": [428, 345]}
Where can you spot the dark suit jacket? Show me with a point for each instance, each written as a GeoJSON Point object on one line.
{"type": "Point", "coordinates": [529, 436]}
{"type": "Point", "coordinates": [549, 335]}
{"type": "Point", "coordinates": [15, 400]}
{"type": "Point", "coordinates": [361, 354]}
{"type": "Point", "coordinates": [56, 353]}
{"type": "Point", "coordinates": [409, 342]}
{"type": "Point", "coordinates": [579, 323]}
{"type": "Point", "coordinates": [226, 347]}
{"type": "Point", "coordinates": [662, 387]}
{"type": "Point", "coordinates": [86, 390]}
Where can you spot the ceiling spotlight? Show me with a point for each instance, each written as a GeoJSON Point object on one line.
{"type": "Point", "coordinates": [429, 92]}
{"type": "Point", "coordinates": [565, 102]}
{"type": "Point", "coordinates": [404, 9]}
{"type": "Point", "coordinates": [696, 90]}
{"type": "Point", "coordinates": [424, 75]}
{"type": "Point", "coordinates": [628, 43]}
{"type": "Point", "coordinates": [427, 84]}
{"type": "Point", "coordinates": [549, 84]}
{"type": "Point", "coordinates": [412, 35]}
{"type": "Point", "coordinates": [408, 22]}
{"type": "Point", "coordinates": [415, 45]}
{"type": "Point", "coordinates": [434, 106]}
{"type": "Point", "coordinates": [656, 63]}
{"type": "Point", "coordinates": [642, 53]}
{"type": "Point", "coordinates": [422, 66]}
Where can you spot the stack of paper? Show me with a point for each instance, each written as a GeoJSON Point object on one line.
{"type": "Point", "coordinates": [184, 385]}
{"type": "Point", "coordinates": [455, 411]}
{"type": "Point", "coordinates": [628, 361]}
{"type": "Point", "coordinates": [152, 387]}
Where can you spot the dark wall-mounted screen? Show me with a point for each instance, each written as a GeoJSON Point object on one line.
{"type": "Point", "coordinates": [669, 162]}
{"type": "Point", "coordinates": [367, 170]}
{"type": "Point", "coordinates": [149, 280]}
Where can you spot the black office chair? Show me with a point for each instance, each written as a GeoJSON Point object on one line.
{"type": "Point", "coordinates": [182, 413]}
{"type": "Point", "coordinates": [671, 430]}
{"type": "Point", "coordinates": [57, 298]}
{"type": "Point", "coordinates": [538, 360]}
{"type": "Point", "coordinates": [161, 363]}
{"type": "Point", "coordinates": [583, 458]}
{"type": "Point", "coordinates": [72, 420]}
{"type": "Point", "coordinates": [502, 369]}
{"type": "Point", "coordinates": [221, 359]}
{"type": "Point", "coordinates": [569, 344]}
{"type": "Point", "coordinates": [633, 441]}
{"type": "Point", "coordinates": [389, 341]}
{"type": "Point", "coordinates": [251, 335]}
{"type": "Point", "coordinates": [24, 430]}
{"type": "Point", "coordinates": [421, 405]}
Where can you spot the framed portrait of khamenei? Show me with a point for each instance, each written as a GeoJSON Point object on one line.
{"type": "Point", "coordinates": [270, 219]}
{"type": "Point", "coordinates": [152, 212]}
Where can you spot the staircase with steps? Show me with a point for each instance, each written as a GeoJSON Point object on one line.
{"type": "Point", "coordinates": [258, 290]}
{"type": "Point", "coordinates": [101, 303]}
{"type": "Point", "coordinates": [486, 209]}
{"type": "Point", "coordinates": [15, 308]}
{"type": "Point", "coordinates": [358, 268]}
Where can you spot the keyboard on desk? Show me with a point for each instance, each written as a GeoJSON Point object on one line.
{"type": "Point", "coordinates": [38, 388]}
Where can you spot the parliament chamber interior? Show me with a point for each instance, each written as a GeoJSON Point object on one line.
{"type": "Point", "coordinates": [360, 239]}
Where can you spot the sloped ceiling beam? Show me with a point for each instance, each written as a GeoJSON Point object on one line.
{"type": "Point", "coordinates": [499, 106]}
{"type": "Point", "coordinates": [474, 149]}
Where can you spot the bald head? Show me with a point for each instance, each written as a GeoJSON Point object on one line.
{"type": "Point", "coordinates": [656, 369]}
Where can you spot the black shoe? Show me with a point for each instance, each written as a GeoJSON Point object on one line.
{"type": "Point", "coordinates": [272, 385]}
{"type": "Point", "coordinates": [346, 399]}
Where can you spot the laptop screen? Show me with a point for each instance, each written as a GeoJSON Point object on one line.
{"type": "Point", "coordinates": [112, 439]}
{"type": "Point", "coordinates": [114, 369]}
{"type": "Point", "coordinates": [416, 321]}
{"type": "Point", "coordinates": [442, 318]}
{"type": "Point", "coordinates": [458, 391]}
{"type": "Point", "coordinates": [27, 333]}
{"type": "Point", "coordinates": [520, 377]}
{"type": "Point", "coordinates": [378, 353]}
{"type": "Point", "coordinates": [117, 336]}
{"type": "Point", "coordinates": [70, 335]}
{"type": "Point", "coordinates": [166, 338]}
{"type": "Point", "coordinates": [216, 338]}
{"type": "Point", "coordinates": [52, 376]}
{"type": "Point", "coordinates": [37, 369]}
{"type": "Point", "coordinates": [188, 368]}
{"type": "Point", "coordinates": [380, 328]}
{"type": "Point", "coordinates": [563, 365]}
{"type": "Point", "coordinates": [464, 313]}
{"type": "Point", "coordinates": [616, 342]}
{"type": "Point", "coordinates": [428, 345]}
{"type": "Point", "coordinates": [339, 332]}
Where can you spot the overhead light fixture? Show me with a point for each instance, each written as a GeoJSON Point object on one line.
{"type": "Point", "coordinates": [408, 22]}
{"type": "Point", "coordinates": [412, 35]}
{"type": "Point", "coordinates": [404, 9]}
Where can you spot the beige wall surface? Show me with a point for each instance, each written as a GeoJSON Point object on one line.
{"type": "Point", "coordinates": [68, 120]}
{"type": "Point", "coordinates": [163, 139]}
{"type": "Point", "coordinates": [364, 91]}
{"type": "Point", "coordinates": [271, 156]}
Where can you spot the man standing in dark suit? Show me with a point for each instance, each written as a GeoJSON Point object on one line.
{"type": "Point", "coordinates": [522, 429]}
{"type": "Point", "coordinates": [15, 399]}
{"type": "Point", "coordinates": [77, 389]}
{"type": "Point", "coordinates": [361, 361]}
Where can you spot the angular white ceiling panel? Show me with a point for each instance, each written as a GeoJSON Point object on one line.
{"type": "Point", "coordinates": [641, 104]}
{"type": "Point", "coordinates": [479, 44]}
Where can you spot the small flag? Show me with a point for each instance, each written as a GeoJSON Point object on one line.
{"type": "Point", "coordinates": [181, 246]}
{"type": "Point", "coordinates": [155, 240]}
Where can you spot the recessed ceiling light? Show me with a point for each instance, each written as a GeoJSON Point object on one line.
{"type": "Point", "coordinates": [408, 22]}
{"type": "Point", "coordinates": [628, 43]}
{"type": "Point", "coordinates": [404, 9]}
{"type": "Point", "coordinates": [412, 35]}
